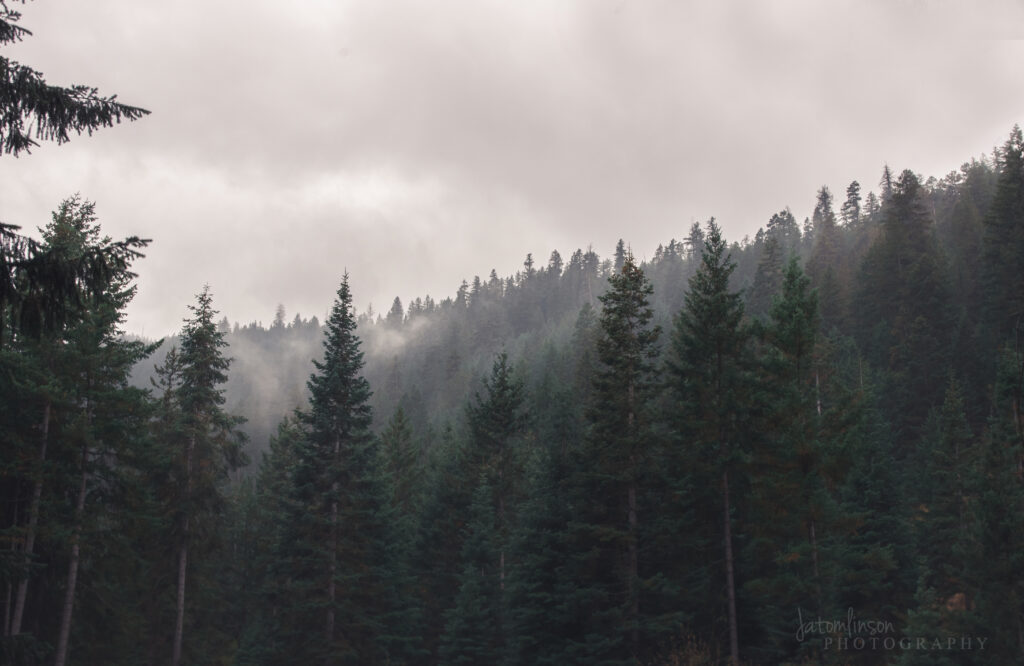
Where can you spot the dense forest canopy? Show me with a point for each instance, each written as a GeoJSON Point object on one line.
{"type": "Point", "coordinates": [805, 447]}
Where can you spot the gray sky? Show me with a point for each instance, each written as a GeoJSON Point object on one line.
{"type": "Point", "coordinates": [417, 143]}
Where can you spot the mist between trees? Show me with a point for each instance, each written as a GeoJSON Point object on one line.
{"type": "Point", "coordinates": [594, 460]}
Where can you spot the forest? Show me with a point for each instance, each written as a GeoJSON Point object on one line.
{"type": "Point", "coordinates": [802, 447]}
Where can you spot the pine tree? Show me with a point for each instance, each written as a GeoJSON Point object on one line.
{"type": "Point", "coordinates": [268, 592]}
{"type": "Point", "coordinates": [1003, 242]}
{"type": "Point", "coordinates": [620, 440]}
{"type": "Point", "coordinates": [473, 632]}
{"type": "Point", "coordinates": [440, 533]}
{"type": "Point", "coordinates": [789, 504]}
{"type": "Point", "coordinates": [340, 553]}
{"type": "Point", "coordinates": [825, 265]}
{"type": "Point", "coordinates": [542, 595]}
{"type": "Point", "coordinates": [710, 373]}
{"type": "Point", "coordinates": [96, 361]}
{"type": "Point", "coordinates": [396, 314]}
{"type": "Point", "coordinates": [496, 420]}
{"type": "Point", "coordinates": [904, 308]}
{"type": "Point", "coordinates": [945, 530]}
{"type": "Point", "coordinates": [850, 212]}
{"type": "Point", "coordinates": [210, 445]}
{"type": "Point", "coordinates": [767, 279]}
{"type": "Point", "coordinates": [1000, 514]}
{"type": "Point", "coordinates": [620, 255]}
{"type": "Point", "coordinates": [402, 462]}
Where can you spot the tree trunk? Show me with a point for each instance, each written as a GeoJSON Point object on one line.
{"type": "Point", "coordinates": [634, 573]}
{"type": "Point", "coordinates": [501, 520]}
{"type": "Point", "coordinates": [69, 592]}
{"type": "Point", "coordinates": [333, 567]}
{"type": "Point", "coordinates": [179, 623]}
{"type": "Point", "coordinates": [33, 521]}
{"type": "Point", "coordinates": [814, 563]}
{"type": "Point", "coordinates": [817, 391]}
{"type": "Point", "coordinates": [734, 644]}
{"type": "Point", "coordinates": [9, 598]}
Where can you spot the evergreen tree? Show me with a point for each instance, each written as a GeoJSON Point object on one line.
{"type": "Point", "coordinates": [496, 420]}
{"type": "Point", "coordinates": [396, 314]}
{"type": "Point", "coordinates": [80, 416]}
{"type": "Point", "coordinates": [790, 508]}
{"type": "Point", "coordinates": [340, 544]}
{"type": "Point", "coordinates": [473, 626]}
{"type": "Point", "coordinates": [1003, 245]}
{"type": "Point", "coordinates": [825, 265]}
{"type": "Point", "coordinates": [1000, 515]}
{"type": "Point", "coordinates": [710, 372]}
{"type": "Point", "coordinates": [904, 309]}
{"type": "Point", "coordinates": [620, 255]}
{"type": "Point", "coordinates": [402, 462]}
{"type": "Point", "coordinates": [850, 211]}
{"type": "Point", "coordinates": [945, 531]}
{"type": "Point", "coordinates": [618, 449]}
{"type": "Point", "coordinates": [210, 445]}
{"type": "Point", "coordinates": [544, 600]}
{"type": "Point", "coordinates": [767, 279]}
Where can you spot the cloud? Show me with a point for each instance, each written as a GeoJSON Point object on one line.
{"type": "Point", "coordinates": [419, 143]}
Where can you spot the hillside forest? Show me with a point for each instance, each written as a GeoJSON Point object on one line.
{"type": "Point", "coordinates": [802, 447]}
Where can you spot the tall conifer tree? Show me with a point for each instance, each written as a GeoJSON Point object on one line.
{"type": "Point", "coordinates": [710, 371]}
{"type": "Point", "coordinates": [210, 445]}
{"type": "Point", "coordinates": [339, 537]}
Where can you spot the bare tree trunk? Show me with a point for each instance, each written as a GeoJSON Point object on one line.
{"type": "Point", "coordinates": [33, 521]}
{"type": "Point", "coordinates": [69, 592]}
{"type": "Point", "coordinates": [9, 598]}
{"type": "Point", "coordinates": [734, 643]}
{"type": "Point", "coordinates": [333, 567]}
{"type": "Point", "coordinates": [634, 572]}
{"type": "Point", "coordinates": [817, 391]}
{"type": "Point", "coordinates": [179, 623]}
{"type": "Point", "coordinates": [633, 575]}
{"type": "Point", "coordinates": [814, 563]}
{"type": "Point", "coordinates": [501, 520]}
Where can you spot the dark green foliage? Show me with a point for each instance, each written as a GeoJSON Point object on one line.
{"type": "Point", "coordinates": [945, 525]}
{"type": "Point", "coordinates": [711, 374]}
{"type": "Point", "coordinates": [904, 309]}
{"type": "Point", "coordinates": [76, 446]}
{"type": "Point", "coordinates": [767, 279]}
{"type": "Point", "coordinates": [1000, 514]}
{"type": "Point", "coordinates": [1003, 268]}
{"type": "Point", "coordinates": [792, 512]}
{"type": "Point", "coordinates": [544, 492]}
{"type": "Point", "coordinates": [403, 462]}
{"type": "Point", "coordinates": [473, 632]}
{"type": "Point", "coordinates": [336, 551]}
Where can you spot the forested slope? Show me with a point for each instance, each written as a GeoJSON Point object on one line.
{"type": "Point", "coordinates": [690, 457]}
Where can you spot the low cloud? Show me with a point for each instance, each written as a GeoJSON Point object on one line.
{"type": "Point", "coordinates": [419, 143]}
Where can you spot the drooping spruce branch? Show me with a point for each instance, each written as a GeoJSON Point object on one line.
{"type": "Point", "coordinates": [32, 110]}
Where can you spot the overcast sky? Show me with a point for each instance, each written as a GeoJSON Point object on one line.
{"type": "Point", "coordinates": [419, 143]}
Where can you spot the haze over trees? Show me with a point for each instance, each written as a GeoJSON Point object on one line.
{"type": "Point", "coordinates": [685, 459]}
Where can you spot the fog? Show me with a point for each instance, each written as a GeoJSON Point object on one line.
{"type": "Point", "coordinates": [416, 144]}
